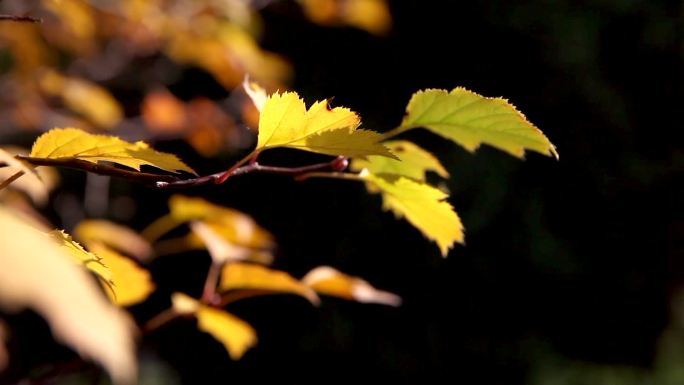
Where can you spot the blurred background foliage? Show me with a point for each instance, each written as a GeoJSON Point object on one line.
{"type": "Point", "coordinates": [573, 270]}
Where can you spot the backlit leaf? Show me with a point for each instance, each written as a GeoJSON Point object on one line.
{"type": "Point", "coordinates": [245, 276]}
{"type": "Point", "coordinates": [132, 283]}
{"type": "Point", "coordinates": [470, 119]}
{"type": "Point", "coordinates": [220, 246]}
{"type": "Point", "coordinates": [235, 334]}
{"type": "Point", "coordinates": [36, 274]}
{"type": "Point", "coordinates": [285, 122]}
{"type": "Point", "coordinates": [82, 256]}
{"type": "Point", "coordinates": [424, 206]}
{"type": "Point", "coordinates": [413, 162]}
{"type": "Point", "coordinates": [72, 143]}
{"type": "Point", "coordinates": [32, 183]}
{"type": "Point", "coordinates": [119, 237]}
{"type": "Point", "coordinates": [328, 281]}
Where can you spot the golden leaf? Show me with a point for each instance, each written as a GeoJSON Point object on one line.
{"type": "Point", "coordinates": [235, 334]}
{"type": "Point", "coordinates": [424, 206]}
{"type": "Point", "coordinates": [92, 231]}
{"type": "Point", "coordinates": [328, 281]}
{"type": "Point", "coordinates": [413, 162]}
{"type": "Point", "coordinates": [72, 143]}
{"type": "Point", "coordinates": [132, 283]}
{"type": "Point", "coordinates": [29, 182]}
{"type": "Point", "coordinates": [81, 256]}
{"type": "Point", "coordinates": [245, 276]}
{"type": "Point", "coordinates": [285, 122]}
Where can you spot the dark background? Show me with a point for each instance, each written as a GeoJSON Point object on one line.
{"type": "Point", "coordinates": [571, 267]}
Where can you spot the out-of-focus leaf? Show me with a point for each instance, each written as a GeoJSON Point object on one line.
{"type": "Point", "coordinates": [235, 334]}
{"type": "Point", "coordinates": [119, 237]}
{"type": "Point", "coordinates": [72, 143]}
{"type": "Point", "coordinates": [424, 206]}
{"type": "Point", "coordinates": [220, 246]}
{"type": "Point", "coordinates": [84, 97]}
{"type": "Point", "coordinates": [370, 15]}
{"type": "Point", "coordinates": [285, 122]}
{"type": "Point", "coordinates": [233, 225]}
{"type": "Point", "coordinates": [81, 256]}
{"type": "Point", "coordinates": [245, 276]}
{"type": "Point", "coordinates": [132, 283]}
{"type": "Point", "coordinates": [36, 274]}
{"type": "Point", "coordinates": [76, 21]}
{"type": "Point", "coordinates": [164, 113]}
{"type": "Point", "coordinates": [255, 92]}
{"type": "Point", "coordinates": [328, 281]}
{"type": "Point", "coordinates": [36, 183]}
{"type": "Point", "coordinates": [470, 119]}
{"type": "Point", "coordinates": [413, 162]}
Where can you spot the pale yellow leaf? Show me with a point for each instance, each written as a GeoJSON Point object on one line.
{"type": "Point", "coordinates": [220, 246]}
{"type": "Point", "coordinates": [132, 283]}
{"type": "Point", "coordinates": [245, 276]}
{"type": "Point", "coordinates": [234, 226]}
{"type": "Point", "coordinates": [72, 143]}
{"type": "Point", "coordinates": [413, 162]}
{"type": "Point", "coordinates": [32, 183]}
{"type": "Point", "coordinates": [81, 256]}
{"type": "Point", "coordinates": [91, 231]}
{"type": "Point", "coordinates": [255, 92]}
{"type": "Point", "coordinates": [328, 281]}
{"type": "Point", "coordinates": [87, 99]}
{"type": "Point", "coordinates": [235, 334]}
{"type": "Point", "coordinates": [285, 122]}
{"type": "Point", "coordinates": [37, 274]}
{"type": "Point", "coordinates": [470, 119]}
{"type": "Point", "coordinates": [424, 206]}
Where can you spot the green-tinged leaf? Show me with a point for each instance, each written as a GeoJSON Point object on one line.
{"type": "Point", "coordinates": [470, 119]}
{"type": "Point", "coordinates": [424, 206]}
{"type": "Point", "coordinates": [72, 143]}
{"type": "Point", "coordinates": [413, 162]}
{"type": "Point", "coordinates": [285, 122]}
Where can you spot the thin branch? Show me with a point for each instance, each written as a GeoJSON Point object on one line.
{"type": "Point", "coordinates": [21, 19]}
{"type": "Point", "coordinates": [337, 164]}
{"type": "Point", "coordinates": [209, 292]}
{"type": "Point", "coordinates": [11, 179]}
{"type": "Point", "coordinates": [99, 168]}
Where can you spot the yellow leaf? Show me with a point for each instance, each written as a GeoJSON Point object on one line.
{"type": "Point", "coordinates": [233, 225]}
{"type": "Point", "coordinates": [235, 334]}
{"type": "Point", "coordinates": [285, 122]}
{"type": "Point", "coordinates": [37, 274]}
{"type": "Point", "coordinates": [132, 283]}
{"type": "Point", "coordinates": [424, 206]}
{"type": "Point", "coordinates": [220, 246]}
{"type": "Point", "coordinates": [29, 182]}
{"type": "Point", "coordinates": [244, 276]}
{"type": "Point", "coordinates": [470, 119]}
{"type": "Point", "coordinates": [86, 98]}
{"type": "Point", "coordinates": [72, 143]}
{"type": "Point", "coordinates": [370, 15]}
{"type": "Point", "coordinates": [81, 256]}
{"type": "Point", "coordinates": [413, 162]}
{"type": "Point", "coordinates": [92, 231]}
{"type": "Point", "coordinates": [328, 281]}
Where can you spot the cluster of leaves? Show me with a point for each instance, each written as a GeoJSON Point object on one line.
{"type": "Point", "coordinates": [222, 43]}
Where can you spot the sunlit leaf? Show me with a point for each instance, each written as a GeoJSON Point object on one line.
{"type": "Point", "coordinates": [84, 97]}
{"type": "Point", "coordinates": [32, 183]}
{"type": "Point", "coordinates": [221, 247]}
{"type": "Point", "coordinates": [255, 92]}
{"type": "Point", "coordinates": [132, 283]}
{"type": "Point", "coordinates": [470, 119]}
{"type": "Point", "coordinates": [285, 122]}
{"type": "Point", "coordinates": [328, 281]}
{"type": "Point", "coordinates": [72, 143]}
{"type": "Point", "coordinates": [424, 206]}
{"type": "Point", "coordinates": [371, 15]}
{"type": "Point", "coordinates": [245, 276]}
{"type": "Point", "coordinates": [81, 256]}
{"type": "Point", "coordinates": [119, 237]}
{"type": "Point", "coordinates": [37, 274]}
{"type": "Point", "coordinates": [413, 162]}
{"type": "Point", "coordinates": [235, 334]}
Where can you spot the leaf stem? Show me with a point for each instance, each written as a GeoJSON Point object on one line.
{"type": "Point", "coordinates": [393, 132]}
{"type": "Point", "coordinates": [11, 179]}
{"type": "Point", "coordinates": [23, 19]}
{"type": "Point", "coordinates": [209, 292]}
